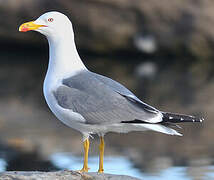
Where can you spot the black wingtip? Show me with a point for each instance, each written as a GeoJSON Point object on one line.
{"type": "Point", "coordinates": [180, 118]}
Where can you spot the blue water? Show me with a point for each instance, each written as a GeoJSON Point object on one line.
{"type": "Point", "coordinates": [123, 166]}
{"type": "Point", "coordinates": [3, 165]}
{"type": "Point", "coordinates": [113, 165]}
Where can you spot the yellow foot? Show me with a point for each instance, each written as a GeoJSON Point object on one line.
{"type": "Point", "coordinates": [101, 171]}
{"type": "Point", "coordinates": [83, 170]}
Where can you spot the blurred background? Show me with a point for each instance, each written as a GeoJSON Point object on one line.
{"type": "Point", "coordinates": [162, 51]}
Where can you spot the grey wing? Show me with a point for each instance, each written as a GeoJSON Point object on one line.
{"type": "Point", "coordinates": [124, 91]}
{"type": "Point", "coordinates": [97, 102]}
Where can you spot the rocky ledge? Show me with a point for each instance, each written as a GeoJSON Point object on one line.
{"type": "Point", "coordinates": [60, 175]}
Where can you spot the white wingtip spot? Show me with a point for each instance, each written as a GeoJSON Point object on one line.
{"type": "Point", "coordinates": [182, 119]}
{"type": "Point", "coordinates": [202, 119]}
{"type": "Point", "coordinates": [170, 117]}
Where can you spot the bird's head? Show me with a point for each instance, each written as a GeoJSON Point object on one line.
{"type": "Point", "coordinates": [50, 24]}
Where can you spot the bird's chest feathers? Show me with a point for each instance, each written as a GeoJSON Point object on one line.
{"type": "Point", "coordinates": [52, 82]}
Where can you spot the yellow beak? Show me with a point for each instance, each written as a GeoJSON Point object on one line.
{"type": "Point", "coordinates": [29, 26]}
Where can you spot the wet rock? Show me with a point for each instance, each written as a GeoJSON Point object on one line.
{"type": "Point", "coordinates": [60, 175]}
{"type": "Point", "coordinates": [158, 164]}
{"type": "Point", "coordinates": [29, 161]}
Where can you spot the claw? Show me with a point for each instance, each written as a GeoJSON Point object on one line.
{"type": "Point", "coordinates": [83, 170]}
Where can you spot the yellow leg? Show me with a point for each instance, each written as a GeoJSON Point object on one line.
{"type": "Point", "coordinates": [86, 148]}
{"type": "Point", "coordinates": [101, 147]}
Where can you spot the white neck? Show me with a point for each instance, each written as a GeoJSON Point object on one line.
{"type": "Point", "coordinates": [64, 60]}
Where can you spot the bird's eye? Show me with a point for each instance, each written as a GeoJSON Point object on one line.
{"type": "Point", "coordinates": [50, 20]}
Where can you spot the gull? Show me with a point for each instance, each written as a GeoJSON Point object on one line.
{"type": "Point", "coordinates": [88, 102]}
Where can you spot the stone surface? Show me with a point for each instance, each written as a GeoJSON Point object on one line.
{"type": "Point", "coordinates": [60, 175]}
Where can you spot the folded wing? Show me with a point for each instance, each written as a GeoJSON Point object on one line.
{"type": "Point", "coordinates": [101, 100]}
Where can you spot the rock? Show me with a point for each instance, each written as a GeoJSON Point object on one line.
{"type": "Point", "coordinates": [60, 175]}
{"type": "Point", "coordinates": [111, 25]}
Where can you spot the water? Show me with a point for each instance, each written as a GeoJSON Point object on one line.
{"type": "Point", "coordinates": [112, 165]}
{"type": "Point", "coordinates": [3, 165]}
{"type": "Point", "coordinates": [123, 166]}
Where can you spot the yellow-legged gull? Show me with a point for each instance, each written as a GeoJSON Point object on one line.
{"type": "Point", "coordinates": [89, 102]}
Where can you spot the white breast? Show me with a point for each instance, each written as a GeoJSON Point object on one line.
{"type": "Point", "coordinates": [67, 116]}
{"type": "Point", "coordinates": [64, 62]}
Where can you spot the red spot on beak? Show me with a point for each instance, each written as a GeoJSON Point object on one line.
{"type": "Point", "coordinates": [24, 29]}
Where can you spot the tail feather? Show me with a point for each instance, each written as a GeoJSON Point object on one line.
{"type": "Point", "coordinates": [160, 128]}
{"type": "Point", "coordinates": [179, 118]}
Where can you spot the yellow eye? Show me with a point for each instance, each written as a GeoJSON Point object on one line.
{"type": "Point", "coordinates": [50, 20]}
